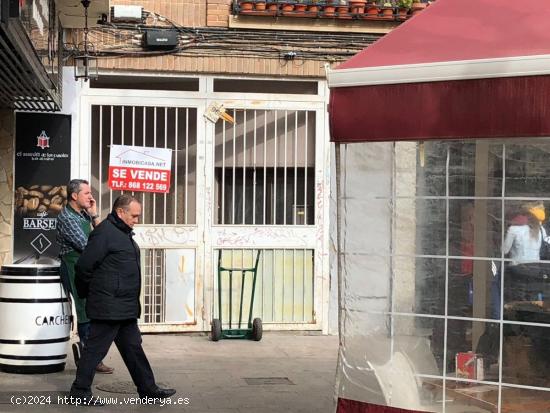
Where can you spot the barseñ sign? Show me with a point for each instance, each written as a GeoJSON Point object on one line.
{"type": "Point", "coordinates": [138, 168]}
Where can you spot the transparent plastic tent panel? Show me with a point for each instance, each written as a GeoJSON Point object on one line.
{"type": "Point", "coordinates": [425, 319]}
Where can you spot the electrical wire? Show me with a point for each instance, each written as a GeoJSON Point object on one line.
{"type": "Point", "coordinates": [119, 40]}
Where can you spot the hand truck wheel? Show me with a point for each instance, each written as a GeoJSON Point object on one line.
{"type": "Point", "coordinates": [257, 329]}
{"type": "Point", "coordinates": [216, 330]}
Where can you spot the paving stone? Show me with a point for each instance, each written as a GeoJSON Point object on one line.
{"type": "Point", "coordinates": [211, 375]}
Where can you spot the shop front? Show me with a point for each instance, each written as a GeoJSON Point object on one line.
{"type": "Point", "coordinates": [256, 181]}
{"type": "Point", "coordinates": [444, 307]}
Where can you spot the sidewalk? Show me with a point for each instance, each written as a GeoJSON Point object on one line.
{"type": "Point", "coordinates": [298, 373]}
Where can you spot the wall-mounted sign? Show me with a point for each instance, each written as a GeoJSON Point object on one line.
{"type": "Point", "coordinates": [42, 171]}
{"type": "Point", "coordinates": [138, 168]}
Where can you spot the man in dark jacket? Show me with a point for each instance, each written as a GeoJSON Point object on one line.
{"type": "Point", "coordinates": [108, 275]}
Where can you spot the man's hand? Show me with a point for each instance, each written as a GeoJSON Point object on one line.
{"type": "Point", "coordinates": [92, 211]}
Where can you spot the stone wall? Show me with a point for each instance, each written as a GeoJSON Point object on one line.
{"type": "Point", "coordinates": [6, 185]}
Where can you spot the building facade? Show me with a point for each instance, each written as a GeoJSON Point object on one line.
{"type": "Point", "coordinates": [259, 185]}
{"type": "Point", "coordinates": [254, 183]}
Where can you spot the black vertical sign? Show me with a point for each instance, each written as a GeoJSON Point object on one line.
{"type": "Point", "coordinates": [42, 171]}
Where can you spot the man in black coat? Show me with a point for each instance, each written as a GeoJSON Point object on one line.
{"type": "Point", "coordinates": [108, 275]}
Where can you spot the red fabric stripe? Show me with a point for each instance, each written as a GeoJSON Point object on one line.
{"type": "Point", "coordinates": [481, 108]}
{"type": "Point", "coordinates": [353, 406]}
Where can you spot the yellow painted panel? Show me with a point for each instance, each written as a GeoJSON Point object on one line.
{"type": "Point", "coordinates": [284, 286]}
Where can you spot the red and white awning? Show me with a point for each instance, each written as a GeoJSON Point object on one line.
{"type": "Point", "coordinates": [459, 69]}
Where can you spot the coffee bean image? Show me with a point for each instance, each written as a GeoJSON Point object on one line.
{"type": "Point", "coordinates": [58, 200]}
{"type": "Point", "coordinates": [22, 191]}
{"type": "Point", "coordinates": [54, 190]}
{"type": "Point", "coordinates": [55, 208]}
{"type": "Point", "coordinates": [36, 194]}
{"type": "Point", "coordinates": [33, 204]}
{"type": "Point", "coordinates": [40, 199]}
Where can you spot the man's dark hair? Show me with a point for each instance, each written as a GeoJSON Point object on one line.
{"type": "Point", "coordinates": [124, 201]}
{"type": "Point", "coordinates": [74, 187]}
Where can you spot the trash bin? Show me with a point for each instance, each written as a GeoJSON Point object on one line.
{"type": "Point", "coordinates": [35, 319]}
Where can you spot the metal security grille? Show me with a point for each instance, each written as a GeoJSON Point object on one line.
{"type": "Point", "coordinates": [154, 286]}
{"type": "Point", "coordinates": [264, 168]}
{"type": "Point", "coordinates": [160, 127]}
{"type": "Point", "coordinates": [284, 286]}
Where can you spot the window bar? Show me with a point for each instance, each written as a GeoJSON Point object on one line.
{"type": "Point", "coordinates": [186, 193]}
{"type": "Point", "coordinates": [224, 124]}
{"type": "Point", "coordinates": [133, 130]}
{"type": "Point", "coordinates": [154, 195]}
{"type": "Point", "coordinates": [295, 212]}
{"type": "Point", "coordinates": [145, 266]}
{"type": "Point", "coordinates": [150, 279]}
{"type": "Point", "coordinates": [158, 286]}
{"type": "Point", "coordinates": [153, 282]}
{"type": "Point", "coordinates": [133, 126]}
{"type": "Point", "coordinates": [293, 281]}
{"type": "Point", "coordinates": [234, 161]}
{"type": "Point", "coordinates": [244, 167]}
{"type": "Point", "coordinates": [100, 192]}
{"type": "Point", "coordinates": [283, 288]}
{"type": "Point", "coordinates": [265, 168]}
{"type": "Point", "coordinates": [306, 166]}
{"type": "Point", "coordinates": [163, 286]}
{"type": "Point", "coordinates": [111, 145]}
{"type": "Point", "coordinates": [176, 133]}
{"type": "Point", "coordinates": [122, 130]}
{"type": "Point", "coordinates": [144, 141]}
{"type": "Point", "coordinates": [231, 286]}
{"type": "Point", "coordinates": [273, 261]}
{"type": "Point", "coordinates": [275, 174]}
{"type": "Point", "coordinates": [304, 273]}
{"type": "Point", "coordinates": [152, 300]}
{"type": "Point", "coordinates": [254, 176]}
{"type": "Point", "coordinates": [263, 283]}
{"type": "Point", "coordinates": [166, 147]}
{"type": "Point", "coordinates": [284, 168]}
{"type": "Point", "coordinates": [145, 299]}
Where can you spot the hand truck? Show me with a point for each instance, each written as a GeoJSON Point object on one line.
{"type": "Point", "coordinates": [254, 327]}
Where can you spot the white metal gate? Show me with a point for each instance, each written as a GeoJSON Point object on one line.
{"type": "Point", "coordinates": [260, 183]}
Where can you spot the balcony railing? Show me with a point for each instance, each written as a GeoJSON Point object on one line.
{"type": "Point", "coordinates": [331, 9]}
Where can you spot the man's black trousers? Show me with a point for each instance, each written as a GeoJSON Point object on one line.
{"type": "Point", "coordinates": [127, 337]}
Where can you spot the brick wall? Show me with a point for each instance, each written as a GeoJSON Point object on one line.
{"type": "Point", "coordinates": [188, 13]}
{"type": "Point", "coordinates": [218, 65]}
{"type": "Point", "coordinates": [199, 13]}
{"type": "Point", "coordinates": [217, 12]}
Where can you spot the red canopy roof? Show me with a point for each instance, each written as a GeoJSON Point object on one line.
{"type": "Point", "coordinates": [467, 68]}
